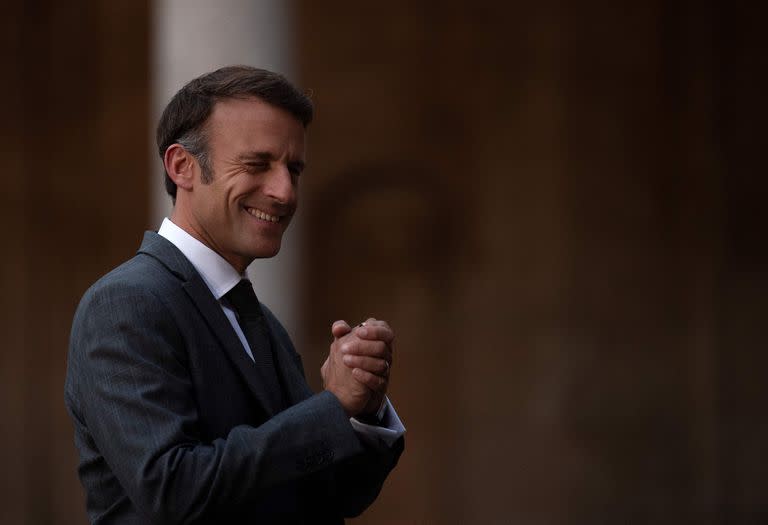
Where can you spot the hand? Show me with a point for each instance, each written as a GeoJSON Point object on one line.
{"type": "Point", "coordinates": [338, 378]}
{"type": "Point", "coordinates": [370, 358]}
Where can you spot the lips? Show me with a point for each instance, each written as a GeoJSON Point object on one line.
{"type": "Point", "coordinates": [262, 215]}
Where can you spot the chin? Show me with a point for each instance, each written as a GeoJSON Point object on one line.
{"type": "Point", "coordinates": [266, 252]}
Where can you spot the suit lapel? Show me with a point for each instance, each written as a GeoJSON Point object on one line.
{"type": "Point", "coordinates": [164, 251]}
{"type": "Point", "coordinates": [296, 387]}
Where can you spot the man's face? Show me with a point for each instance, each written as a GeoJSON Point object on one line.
{"type": "Point", "coordinates": [257, 154]}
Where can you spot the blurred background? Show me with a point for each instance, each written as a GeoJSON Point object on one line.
{"type": "Point", "coordinates": [559, 206]}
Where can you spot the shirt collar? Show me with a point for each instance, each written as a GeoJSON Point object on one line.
{"type": "Point", "coordinates": [217, 273]}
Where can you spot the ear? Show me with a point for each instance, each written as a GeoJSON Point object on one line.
{"type": "Point", "coordinates": [180, 166]}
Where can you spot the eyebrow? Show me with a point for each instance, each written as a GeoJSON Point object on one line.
{"type": "Point", "coordinates": [260, 155]}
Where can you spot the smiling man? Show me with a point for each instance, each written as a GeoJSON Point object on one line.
{"type": "Point", "coordinates": [188, 399]}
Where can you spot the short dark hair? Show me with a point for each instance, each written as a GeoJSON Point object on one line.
{"type": "Point", "coordinates": [183, 120]}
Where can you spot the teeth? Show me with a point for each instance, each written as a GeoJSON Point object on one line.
{"type": "Point", "coordinates": [263, 216]}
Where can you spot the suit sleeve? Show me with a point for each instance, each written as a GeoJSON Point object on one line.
{"type": "Point", "coordinates": [128, 382]}
{"type": "Point", "coordinates": [357, 480]}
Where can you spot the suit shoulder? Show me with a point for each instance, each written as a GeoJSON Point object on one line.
{"type": "Point", "coordinates": [139, 287]}
{"type": "Point", "coordinates": [139, 275]}
{"type": "Point", "coordinates": [137, 295]}
{"type": "Point", "coordinates": [125, 318]}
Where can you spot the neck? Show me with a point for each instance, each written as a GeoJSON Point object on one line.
{"type": "Point", "coordinates": [181, 220]}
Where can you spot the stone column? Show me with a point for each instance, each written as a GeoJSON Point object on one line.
{"type": "Point", "coordinates": [192, 37]}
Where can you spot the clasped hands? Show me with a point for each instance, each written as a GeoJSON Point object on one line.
{"type": "Point", "coordinates": [358, 365]}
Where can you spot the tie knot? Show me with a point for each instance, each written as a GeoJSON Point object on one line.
{"type": "Point", "coordinates": [244, 299]}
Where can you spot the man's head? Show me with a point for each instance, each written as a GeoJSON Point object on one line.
{"type": "Point", "coordinates": [232, 144]}
{"type": "Point", "coordinates": [184, 119]}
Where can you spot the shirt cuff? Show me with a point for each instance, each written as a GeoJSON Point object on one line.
{"type": "Point", "coordinates": [389, 430]}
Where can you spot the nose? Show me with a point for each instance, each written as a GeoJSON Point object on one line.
{"type": "Point", "coordinates": [280, 185]}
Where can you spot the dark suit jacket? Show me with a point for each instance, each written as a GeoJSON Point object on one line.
{"type": "Point", "coordinates": [173, 427]}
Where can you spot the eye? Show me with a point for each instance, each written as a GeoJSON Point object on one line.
{"type": "Point", "coordinates": [295, 169]}
{"type": "Point", "coordinates": [254, 167]}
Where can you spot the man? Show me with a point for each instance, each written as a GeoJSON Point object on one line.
{"type": "Point", "coordinates": [188, 399]}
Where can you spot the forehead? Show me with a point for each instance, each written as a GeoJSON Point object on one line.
{"type": "Point", "coordinates": [251, 122]}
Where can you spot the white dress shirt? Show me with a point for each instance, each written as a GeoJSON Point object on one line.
{"type": "Point", "coordinates": [221, 277]}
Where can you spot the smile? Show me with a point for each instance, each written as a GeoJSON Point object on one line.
{"type": "Point", "coordinates": [262, 215]}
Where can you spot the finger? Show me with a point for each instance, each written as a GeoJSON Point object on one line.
{"type": "Point", "coordinates": [340, 329]}
{"type": "Point", "coordinates": [375, 330]}
{"type": "Point", "coordinates": [372, 321]}
{"type": "Point", "coordinates": [367, 348]}
{"type": "Point", "coordinates": [370, 364]}
{"type": "Point", "coordinates": [372, 381]}
{"type": "Point", "coordinates": [377, 322]}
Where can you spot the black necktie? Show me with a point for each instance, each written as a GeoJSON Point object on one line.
{"type": "Point", "coordinates": [254, 326]}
